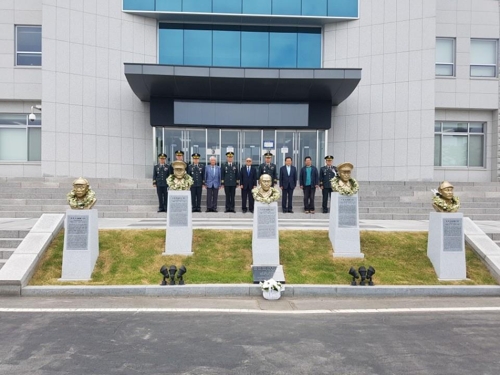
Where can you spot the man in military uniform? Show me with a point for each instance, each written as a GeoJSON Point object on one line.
{"type": "Point", "coordinates": [197, 172]}
{"type": "Point", "coordinates": [179, 155]}
{"type": "Point", "coordinates": [326, 173]}
{"type": "Point", "coordinates": [268, 168]}
{"type": "Point", "coordinates": [230, 178]}
{"type": "Point", "coordinates": [160, 174]}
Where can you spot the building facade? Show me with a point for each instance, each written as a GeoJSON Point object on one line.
{"type": "Point", "coordinates": [405, 90]}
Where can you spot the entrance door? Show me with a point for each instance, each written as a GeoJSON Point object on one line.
{"type": "Point", "coordinates": [286, 145]}
{"type": "Point", "coordinates": [250, 146]}
{"type": "Point", "coordinates": [298, 145]}
{"type": "Point", "coordinates": [230, 141]}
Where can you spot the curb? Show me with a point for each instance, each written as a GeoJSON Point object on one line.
{"type": "Point", "coordinates": [252, 290]}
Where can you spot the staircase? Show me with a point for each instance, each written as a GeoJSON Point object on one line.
{"type": "Point", "coordinates": [9, 241]}
{"type": "Point", "coordinates": [119, 198]}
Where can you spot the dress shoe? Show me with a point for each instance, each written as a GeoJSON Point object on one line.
{"type": "Point", "coordinates": [244, 210]}
{"type": "Point", "coordinates": [312, 212]}
{"type": "Point", "coordinates": [325, 211]}
{"type": "Point", "coordinates": [285, 211]}
{"type": "Point", "coordinates": [160, 211]}
{"type": "Point", "coordinates": [306, 212]}
{"type": "Point", "coordinates": [214, 210]}
{"type": "Point", "coordinates": [251, 211]}
{"type": "Point", "coordinates": [290, 211]}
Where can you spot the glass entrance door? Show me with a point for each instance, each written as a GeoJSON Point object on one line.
{"type": "Point", "coordinates": [230, 141]}
{"type": "Point", "coordinates": [251, 143]}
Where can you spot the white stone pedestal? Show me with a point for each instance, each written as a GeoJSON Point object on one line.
{"type": "Point", "coordinates": [81, 245]}
{"type": "Point", "coordinates": [179, 238]}
{"type": "Point", "coordinates": [344, 226]}
{"type": "Point", "coordinates": [446, 245]}
{"type": "Point", "coordinates": [265, 243]}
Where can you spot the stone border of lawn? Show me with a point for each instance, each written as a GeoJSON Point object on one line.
{"type": "Point", "coordinates": [252, 290]}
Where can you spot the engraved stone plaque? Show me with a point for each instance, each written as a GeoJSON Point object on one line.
{"type": "Point", "coordinates": [77, 232]}
{"type": "Point", "coordinates": [266, 222]}
{"type": "Point", "coordinates": [262, 273]}
{"type": "Point", "coordinates": [452, 235]}
{"type": "Point", "coordinates": [348, 210]}
{"type": "Point", "coordinates": [178, 209]}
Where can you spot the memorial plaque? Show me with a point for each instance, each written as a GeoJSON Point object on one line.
{"type": "Point", "coordinates": [178, 211]}
{"type": "Point", "coordinates": [453, 239]}
{"type": "Point", "coordinates": [262, 273]}
{"type": "Point", "coordinates": [348, 211]}
{"type": "Point", "coordinates": [77, 232]}
{"type": "Point", "coordinates": [266, 223]}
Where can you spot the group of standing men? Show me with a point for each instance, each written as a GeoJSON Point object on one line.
{"type": "Point", "coordinates": [229, 176]}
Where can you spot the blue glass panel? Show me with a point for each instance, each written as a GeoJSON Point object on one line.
{"type": "Point", "coordinates": [29, 39]}
{"type": "Point", "coordinates": [314, 8]}
{"type": "Point", "coordinates": [198, 47]}
{"type": "Point", "coordinates": [343, 8]}
{"type": "Point", "coordinates": [283, 50]}
{"type": "Point", "coordinates": [254, 48]}
{"type": "Point", "coordinates": [309, 50]}
{"type": "Point", "coordinates": [197, 6]}
{"type": "Point", "coordinates": [169, 5]}
{"type": "Point", "coordinates": [227, 6]}
{"type": "Point", "coordinates": [139, 4]}
{"type": "Point", "coordinates": [226, 48]}
{"type": "Point", "coordinates": [287, 7]}
{"type": "Point", "coordinates": [171, 46]}
{"type": "Point", "coordinates": [257, 6]}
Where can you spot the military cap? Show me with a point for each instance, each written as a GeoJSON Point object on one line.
{"type": "Point", "coordinates": [445, 184]}
{"type": "Point", "coordinates": [162, 156]}
{"type": "Point", "coordinates": [179, 163]}
{"type": "Point", "coordinates": [328, 157]}
{"type": "Point", "coordinates": [195, 155]}
{"type": "Point", "coordinates": [343, 165]}
{"type": "Point", "coordinates": [179, 152]}
{"type": "Point", "coordinates": [229, 153]}
{"type": "Point", "coordinates": [268, 155]}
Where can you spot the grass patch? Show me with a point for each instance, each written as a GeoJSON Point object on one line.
{"type": "Point", "coordinates": [133, 257]}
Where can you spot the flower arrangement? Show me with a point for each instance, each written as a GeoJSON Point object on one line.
{"type": "Point", "coordinates": [446, 206]}
{"type": "Point", "coordinates": [87, 201]}
{"type": "Point", "coordinates": [273, 197]}
{"type": "Point", "coordinates": [179, 184]}
{"type": "Point", "coordinates": [271, 284]}
{"type": "Point", "coordinates": [343, 189]}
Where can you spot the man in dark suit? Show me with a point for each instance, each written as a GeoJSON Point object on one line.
{"type": "Point", "coordinates": [248, 181]}
{"type": "Point", "coordinates": [326, 173]}
{"type": "Point", "coordinates": [212, 183]}
{"type": "Point", "coordinates": [309, 180]}
{"type": "Point", "coordinates": [268, 168]}
{"type": "Point", "coordinates": [230, 178]}
{"type": "Point", "coordinates": [288, 181]}
{"type": "Point", "coordinates": [197, 172]}
{"type": "Point", "coordinates": [160, 174]}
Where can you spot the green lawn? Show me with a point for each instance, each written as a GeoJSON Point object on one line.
{"type": "Point", "coordinates": [133, 257]}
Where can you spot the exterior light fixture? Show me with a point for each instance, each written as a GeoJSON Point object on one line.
{"type": "Point", "coordinates": [362, 272]}
{"type": "Point", "coordinates": [180, 273]}
{"type": "Point", "coordinates": [164, 272]}
{"type": "Point", "coordinates": [354, 274]}
{"type": "Point", "coordinates": [369, 275]}
{"type": "Point", "coordinates": [172, 270]}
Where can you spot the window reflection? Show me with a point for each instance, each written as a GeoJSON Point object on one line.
{"type": "Point", "coordinates": [197, 6]}
{"type": "Point", "coordinates": [226, 48]}
{"type": "Point", "coordinates": [254, 49]}
{"type": "Point", "coordinates": [257, 6]}
{"type": "Point", "coordinates": [314, 8]}
{"type": "Point", "coordinates": [197, 47]}
{"type": "Point", "coordinates": [227, 6]}
{"type": "Point", "coordinates": [283, 50]}
{"type": "Point", "coordinates": [287, 7]}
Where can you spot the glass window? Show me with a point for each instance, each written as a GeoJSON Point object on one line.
{"type": "Point", "coordinates": [314, 8]}
{"type": "Point", "coordinates": [284, 7]}
{"type": "Point", "coordinates": [459, 144]}
{"type": "Point", "coordinates": [445, 57]}
{"type": "Point", "coordinates": [34, 144]}
{"type": "Point", "coordinates": [139, 4]}
{"type": "Point", "coordinates": [12, 119]}
{"type": "Point", "coordinates": [29, 45]}
{"type": "Point", "coordinates": [172, 43]}
{"type": "Point", "coordinates": [309, 50]}
{"type": "Point", "coordinates": [20, 141]}
{"type": "Point", "coordinates": [13, 144]}
{"type": "Point", "coordinates": [198, 47]}
{"type": "Point", "coordinates": [197, 6]}
{"type": "Point", "coordinates": [283, 50]}
{"type": "Point", "coordinates": [343, 8]}
{"type": "Point", "coordinates": [254, 49]}
{"type": "Point", "coordinates": [483, 58]}
{"type": "Point", "coordinates": [227, 6]}
{"type": "Point", "coordinates": [226, 48]}
{"type": "Point", "coordinates": [169, 5]}
{"type": "Point", "coordinates": [257, 6]}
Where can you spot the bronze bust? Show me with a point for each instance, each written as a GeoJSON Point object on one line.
{"type": "Point", "coordinates": [265, 193]}
{"type": "Point", "coordinates": [180, 180]}
{"type": "Point", "coordinates": [444, 200]}
{"type": "Point", "coordinates": [344, 184]}
{"type": "Point", "coordinates": [82, 197]}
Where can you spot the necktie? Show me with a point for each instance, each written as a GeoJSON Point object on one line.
{"type": "Point", "coordinates": [248, 170]}
{"type": "Point", "coordinates": [213, 171]}
{"type": "Point", "coordinates": [288, 169]}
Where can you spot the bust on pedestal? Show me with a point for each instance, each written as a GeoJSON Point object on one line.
{"type": "Point", "coordinates": [446, 245]}
{"type": "Point", "coordinates": [344, 214]}
{"type": "Point", "coordinates": [265, 236]}
{"type": "Point", "coordinates": [81, 233]}
{"type": "Point", "coordinates": [179, 236]}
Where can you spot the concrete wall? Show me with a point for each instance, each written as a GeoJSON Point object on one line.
{"type": "Point", "coordinates": [386, 127]}
{"type": "Point", "coordinates": [93, 124]}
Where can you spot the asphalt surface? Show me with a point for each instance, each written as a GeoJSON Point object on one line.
{"type": "Point", "coordinates": [356, 336]}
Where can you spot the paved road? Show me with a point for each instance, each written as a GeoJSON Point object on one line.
{"type": "Point", "coordinates": [249, 336]}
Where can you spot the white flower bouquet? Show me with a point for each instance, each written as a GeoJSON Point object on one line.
{"type": "Point", "coordinates": [271, 289]}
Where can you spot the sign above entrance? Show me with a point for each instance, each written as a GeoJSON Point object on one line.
{"type": "Point", "coordinates": [268, 144]}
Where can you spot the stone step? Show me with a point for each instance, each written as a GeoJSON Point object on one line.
{"type": "Point", "coordinates": [10, 243]}
{"type": "Point", "coordinates": [7, 233]}
{"type": "Point", "coordinates": [2, 262]}
{"type": "Point", "coordinates": [5, 253]}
